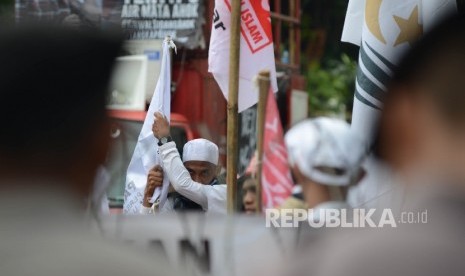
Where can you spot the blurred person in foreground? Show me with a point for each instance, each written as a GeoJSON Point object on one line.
{"type": "Point", "coordinates": [325, 157]}
{"type": "Point", "coordinates": [194, 179]}
{"type": "Point", "coordinates": [422, 136]}
{"type": "Point", "coordinates": [54, 135]}
{"type": "Point", "coordinates": [200, 158]}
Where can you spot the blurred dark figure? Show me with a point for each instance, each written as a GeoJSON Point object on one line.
{"type": "Point", "coordinates": [422, 136]}
{"type": "Point", "coordinates": [54, 134]}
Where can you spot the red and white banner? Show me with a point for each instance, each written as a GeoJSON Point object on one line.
{"type": "Point", "coordinates": [276, 176]}
{"type": "Point", "coordinates": [257, 51]}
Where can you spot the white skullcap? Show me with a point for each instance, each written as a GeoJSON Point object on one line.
{"type": "Point", "coordinates": [326, 151]}
{"type": "Point", "coordinates": [200, 150]}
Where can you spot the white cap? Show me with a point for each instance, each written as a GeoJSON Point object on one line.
{"type": "Point", "coordinates": [200, 150]}
{"type": "Point", "coordinates": [326, 151]}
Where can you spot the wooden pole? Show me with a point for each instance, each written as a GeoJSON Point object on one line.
{"type": "Point", "coordinates": [233, 117]}
{"type": "Point", "coordinates": [292, 34]}
{"type": "Point", "coordinates": [277, 30]}
{"type": "Point", "coordinates": [264, 87]}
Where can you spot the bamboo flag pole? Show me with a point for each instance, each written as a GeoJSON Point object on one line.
{"type": "Point", "coordinates": [264, 87]}
{"type": "Point", "coordinates": [232, 131]}
{"type": "Point", "coordinates": [292, 34]}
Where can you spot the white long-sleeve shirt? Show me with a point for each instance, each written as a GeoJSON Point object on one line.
{"type": "Point", "coordinates": [212, 198]}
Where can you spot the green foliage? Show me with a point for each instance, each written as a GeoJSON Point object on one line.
{"type": "Point", "coordinates": [331, 87]}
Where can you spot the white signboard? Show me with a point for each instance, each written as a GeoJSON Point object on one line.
{"type": "Point", "coordinates": [152, 49]}
{"type": "Point", "coordinates": [299, 106]}
{"type": "Point", "coordinates": [127, 85]}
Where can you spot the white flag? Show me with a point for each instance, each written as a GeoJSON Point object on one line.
{"type": "Point", "coordinates": [145, 155]}
{"type": "Point", "coordinates": [257, 51]}
{"type": "Point", "coordinates": [384, 29]}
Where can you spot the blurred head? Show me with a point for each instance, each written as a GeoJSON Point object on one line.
{"type": "Point", "coordinates": [423, 124]}
{"type": "Point", "coordinates": [249, 195]}
{"type": "Point", "coordinates": [324, 153]}
{"type": "Point", "coordinates": [52, 107]}
{"type": "Point", "coordinates": [200, 158]}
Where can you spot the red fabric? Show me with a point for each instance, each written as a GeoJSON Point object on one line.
{"type": "Point", "coordinates": [276, 175]}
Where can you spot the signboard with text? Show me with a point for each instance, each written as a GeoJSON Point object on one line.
{"type": "Point", "coordinates": [156, 19]}
{"type": "Point", "coordinates": [139, 19]}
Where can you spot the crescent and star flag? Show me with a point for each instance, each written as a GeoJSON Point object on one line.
{"type": "Point", "coordinates": [384, 30]}
{"type": "Point", "coordinates": [145, 155]}
{"type": "Point", "coordinates": [256, 53]}
{"type": "Point", "coordinates": [276, 176]}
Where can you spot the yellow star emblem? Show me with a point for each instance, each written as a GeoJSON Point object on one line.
{"type": "Point", "coordinates": [410, 29]}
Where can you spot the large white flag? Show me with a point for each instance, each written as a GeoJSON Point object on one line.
{"type": "Point", "coordinates": [145, 155]}
{"type": "Point", "coordinates": [257, 51]}
{"type": "Point", "coordinates": [384, 29]}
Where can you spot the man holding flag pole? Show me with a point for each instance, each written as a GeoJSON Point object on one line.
{"type": "Point", "coordinates": [195, 176]}
{"type": "Point", "coordinates": [148, 177]}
